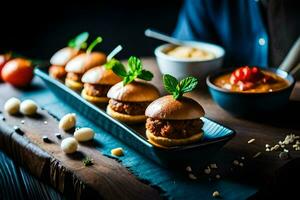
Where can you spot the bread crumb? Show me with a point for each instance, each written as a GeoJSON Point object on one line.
{"type": "Point", "coordinates": [117, 152]}
{"type": "Point", "coordinates": [216, 194]}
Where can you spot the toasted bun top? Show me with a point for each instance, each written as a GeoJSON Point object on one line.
{"type": "Point", "coordinates": [136, 91]}
{"type": "Point", "coordinates": [169, 108]}
{"type": "Point", "coordinates": [63, 56]}
{"type": "Point", "coordinates": [84, 62]}
{"type": "Point", "coordinates": [100, 75]}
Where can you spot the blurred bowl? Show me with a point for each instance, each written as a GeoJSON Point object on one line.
{"type": "Point", "coordinates": [251, 104]}
{"type": "Point", "coordinates": [183, 67]}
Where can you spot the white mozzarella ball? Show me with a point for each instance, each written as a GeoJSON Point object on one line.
{"type": "Point", "coordinates": [28, 107]}
{"type": "Point", "coordinates": [84, 134]}
{"type": "Point", "coordinates": [67, 122]}
{"type": "Point", "coordinates": [12, 105]}
{"type": "Point", "coordinates": [69, 145]}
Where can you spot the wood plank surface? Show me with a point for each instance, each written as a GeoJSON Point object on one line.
{"type": "Point", "coordinates": [106, 179]}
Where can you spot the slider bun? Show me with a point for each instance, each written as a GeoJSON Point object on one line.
{"type": "Point", "coordinates": [92, 99]}
{"type": "Point", "coordinates": [74, 85]}
{"type": "Point", "coordinates": [167, 142]}
{"type": "Point", "coordinates": [100, 75]}
{"type": "Point", "coordinates": [129, 119]}
{"type": "Point", "coordinates": [136, 91]}
{"type": "Point", "coordinates": [84, 62]}
{"type": "Point", "coordinates": [168, 108]}
{"type": "Point", "coordinates": [63, 56]}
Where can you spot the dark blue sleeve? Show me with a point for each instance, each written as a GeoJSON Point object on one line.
{"type": "Point", "coordinates": [194, 22]}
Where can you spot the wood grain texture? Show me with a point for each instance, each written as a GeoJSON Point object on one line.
{"type": "Point", "coordinates": [106, 179]}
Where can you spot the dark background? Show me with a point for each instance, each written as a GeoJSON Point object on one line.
{"type": "Point", "coordinates": [39, 29]}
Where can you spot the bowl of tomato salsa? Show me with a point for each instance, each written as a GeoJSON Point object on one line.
{"type": "Point", "coordinates": [251, 90]}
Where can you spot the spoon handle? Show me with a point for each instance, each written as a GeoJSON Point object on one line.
{"type": "Point", "coordinates": [163, 37]}
{"type": "Point", "coordinates": [292, 58]}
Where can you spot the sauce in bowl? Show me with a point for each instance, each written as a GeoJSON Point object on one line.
{"type": "Point", "coordinates": [188, 52]}
{"type": "Point", "coordinates": [251, 80]}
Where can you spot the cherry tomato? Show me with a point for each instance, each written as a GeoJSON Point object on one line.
{"type": "Point", "coordinates": [255, 70]}
{"type": "Point", "coordinates": [4, 58]}
{"type": "Point", "coordinates": [246, 73]}
{"type": "Point", "coordinates": [18, 72]}
{"type": "Point", "coordinates": [57, 72]}
{"type": "Point", "coordinates": [233, 79]}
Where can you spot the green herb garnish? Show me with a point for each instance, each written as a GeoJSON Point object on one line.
{"type": "Point", "coordinates": [178, 88]}
{"type": "Point", "coordinates": [87, 161]}
{"type": "Point", "coordinates": [98, 40]}
{"type": "Point", "coordinates": [79, 42]}
{"type": "Point", "coordinates": [135, 70]}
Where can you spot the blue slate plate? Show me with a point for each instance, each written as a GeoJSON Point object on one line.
{"type": "Point", "coordinates": [215, 135]}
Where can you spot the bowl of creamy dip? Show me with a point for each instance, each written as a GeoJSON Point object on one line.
{"type": "Point", "coordinates": [190, 59]}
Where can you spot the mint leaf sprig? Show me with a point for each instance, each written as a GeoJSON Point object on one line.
{"type": "Point", "coordinates": [79, 42]}
{"type": "Point", "coordinates": [178, 88]}
{"type": "Point", "coordinates": [135, 70]}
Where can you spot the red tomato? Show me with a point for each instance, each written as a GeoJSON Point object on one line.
{"type": "Point", "coordinates": [4, 58]}
{"type": "Point", "coordinates": [18, 72]}
{"type": "Point", "coordinates": [246, 73]}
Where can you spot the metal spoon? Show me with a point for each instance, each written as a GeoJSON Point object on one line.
{"type": "Point", "coordinates": [291, 62]}
{"type": "Point", "coordinates": [160, 36]}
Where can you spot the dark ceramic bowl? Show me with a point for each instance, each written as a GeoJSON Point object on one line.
{"type": "Point", "coordinates": [247, 104]}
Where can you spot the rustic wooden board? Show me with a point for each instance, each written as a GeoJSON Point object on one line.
{"type": "Point", "coordinates": [105, 179]}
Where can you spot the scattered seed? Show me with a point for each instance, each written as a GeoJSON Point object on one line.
{"type": "Point", "coordinates": [213, 166]}
{"type": "Point", "coordinates": [241, 164]}
{"type": "Point", "coordinates": [192, 176]}
{"type": "Point", "coordinates": [284, 155]}
{"type": "Point", "coordinates": [267, 149]}
{"type": "Point", "coordinates": [22, 121]}
{"type": "Point", "coordinates": [117, 152]}
{"type": "Point", "coordinates": [207, 171]}
{"type": "Point", "coordinates": [257, 154]}
{"type": "Point", "coordinates": [18, 130]}
{"type": "Point", "coordinates": [216, 194]}
{"type": "Point", "coordinates": [286, 150]}
{"type": "Point", "coordinates": [58, 135]}
{"type": "Point", "coordinates": [218, 176]}
{"type": "Point", "coordinates": [45, 122]}
{"type": "Point", "coordinates": [188, 169]}
{"type": "Point", "coordinates": [268, 146]}
{"type": "Point", "coordinates": [251, 141]}
{"type": "Point", "coordinates": [276, 147]}
{"type": "Point", "coordinates": [236, 162]}
{"type": "Point", "coordinates": [243, 158]}
{"type": "Point", "coordinates": [46, 139]}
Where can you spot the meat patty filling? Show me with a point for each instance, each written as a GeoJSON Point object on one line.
{"type": "Point", "coordinates": [96, 90]}
{"type": "Point", "coordinates": [129, 108]}
{"type": "Point", "coordinates": [74, 76]}
{"type": "Point", "coordinates": [174, 129]}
